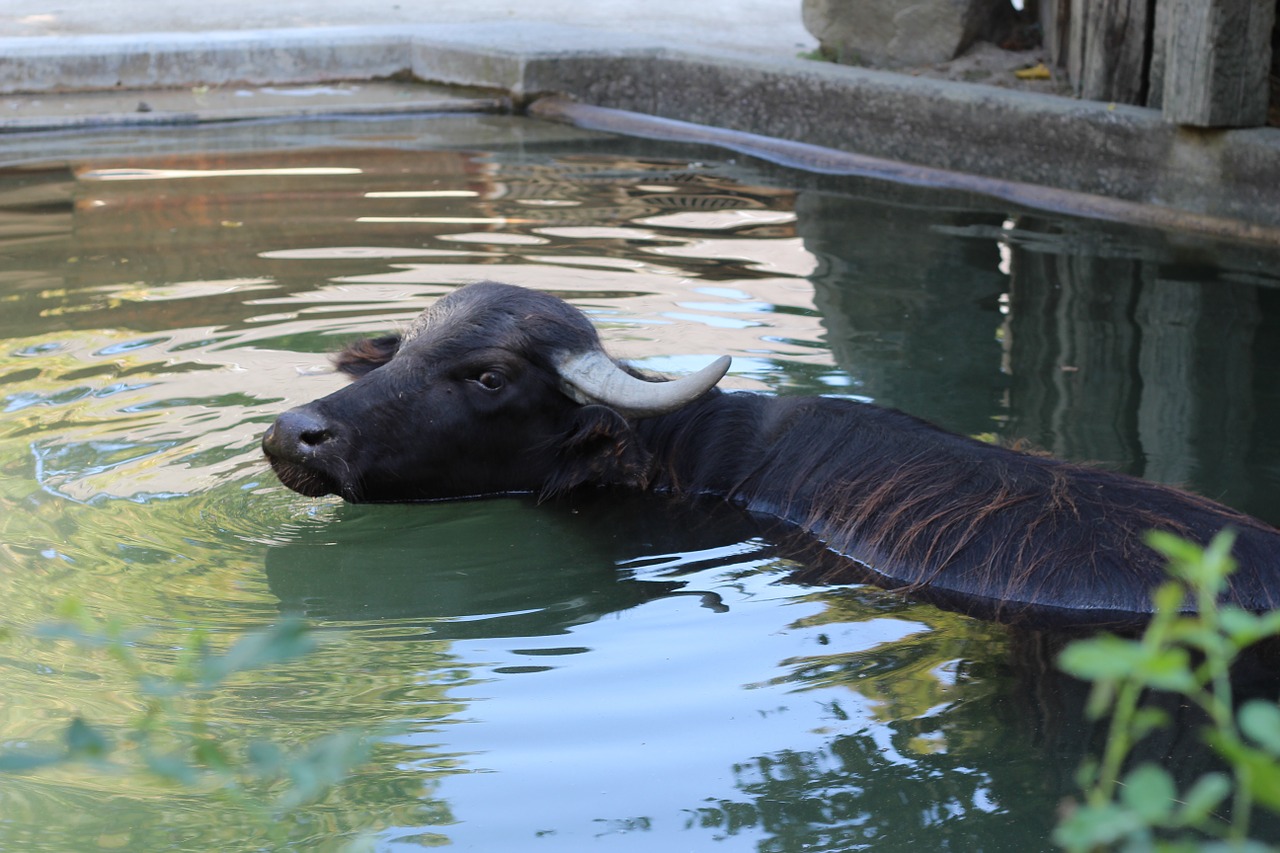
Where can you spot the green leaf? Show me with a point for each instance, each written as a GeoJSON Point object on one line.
{"type": "Point", "coordinates": [289, 639]}
{"type": "Point", "coordinates": [1087, 773]}
{"type": "Point", "coordinates": [1204, 568]}
{"type": "Point", "coordinates": [1090, 827]}
{"type": "Point", "coordinates": [1260, 720]}
{"type": "Point", "coordinates": [88, 635]}
{"type": "Point", "coordinates": [1246, 628]}
{"type": "Point", "coordinates": [71, 633]}
{"type": "Point", "coordinates": [1245, 846]}
{"type": "Point", "coordinates": [1208, 792]}
{"type": "Point", "coordinates": [325, 762]}
{"type": "Point", "coordinates": [1109, 658]}
{"type": "Point", "coordinates": [266, 759]}
{"type": "Point", "coordinates": [72, 608]}
{"type": "Point", "coordinates": [211, 755]}
{"type": "Point", "coordinates": [1149, 791]}
{"type": "Point", "coordinates": [1256, 771]}
{"type": "Point", "coordinates": [1173, 547]}
{"type": "Point", "coordinates": [24, 760]}
{"type": "Point", "coordinates": [1193, 631]}
{"type": "Point", "coordinates": [158, 687]}
{"type": "Point", "coordinates": [171, 767]}
{"type": "Point", "coordinates": [1218, 562]}
{"type": "Point", "coordinates": [1168, 669]}
{"type": "Point", "coordinates": [1170, 597]}
{"type": "Point", "coordinates": [1105, 657]}
{"type": "Point", "coordinates": [1147, 720]}
{"type": "Point", "coordinates": [1102, 697]}
{"type": "Point", "coordinates": [1179, 845]}
{"type": "Point", "coordinates": [84, 741]}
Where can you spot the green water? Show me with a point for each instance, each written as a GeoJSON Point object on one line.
{"type": "Point", "coordinates": [631, 676]}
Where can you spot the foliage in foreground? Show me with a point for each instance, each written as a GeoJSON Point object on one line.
{"type": "Point", "coordinates": [172, 739]}
{"type": "Point", "coordinates": [1191, 655]}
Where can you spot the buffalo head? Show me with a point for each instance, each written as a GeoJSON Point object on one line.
{"type": "Point", "coordinates": [495, 389]}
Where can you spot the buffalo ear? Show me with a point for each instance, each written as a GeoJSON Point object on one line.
{"type": "Point", "coordinates": [359, 357]}
{"type": "Point", "coordinates": [601, 449]}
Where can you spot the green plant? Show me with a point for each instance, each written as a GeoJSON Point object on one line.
{"type": "Point", "coordinates": [172, 738]}
{"type": "Point", "coordinates": [1190, 654]}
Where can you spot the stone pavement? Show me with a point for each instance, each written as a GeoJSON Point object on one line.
{"type": "Point", "coordinates": [762, 27]}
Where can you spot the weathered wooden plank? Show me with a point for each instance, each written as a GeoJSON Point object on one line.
{"type": "Point", "coordinates": [1116, 36]}
{"type": "Point", "coordinates": [1077, 12]}
{"type": "Point", "coordinates": [1159, 54]}
{"type": "Point", "coordinates": [1217, 60]}
{"type": "Point", "coordinates": [1273, 114]}
{"type": "Point", "coordinates": [1104, 45]}
{"type": "Point", "coordinates": [1055, 24]}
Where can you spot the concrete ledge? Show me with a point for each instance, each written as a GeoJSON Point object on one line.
{"type": "Point", "coordinates": [165, 60]}
{"type": "Point", "coordinates": [822, 160]}
{"type": "Point", "coordinates": [506, 56]}
{"type": "Point", "coordinates": [1126, 153]}
{"type": "Point", "coordinates": [151, 107]}
{"type": "Point", "coordinates": [1123, 152]}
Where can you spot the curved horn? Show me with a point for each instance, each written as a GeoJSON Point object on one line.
{"type": "Point", "coordinates": [593, 377]}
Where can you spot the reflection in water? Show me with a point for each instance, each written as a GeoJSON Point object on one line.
{"type": "Point", "coordinates": [920, 335]}
{"type": "Point", "coordinates": [1145, 357]}
{"type": "Point", "coordinates": [1154, 371]}
{"type": "Point", "coordinates": [596, 670]}
{"type": "Point", "coordinates": [503, 567]}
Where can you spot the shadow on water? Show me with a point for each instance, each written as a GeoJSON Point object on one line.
{"type": "Point", "coordinates": [505, 566]}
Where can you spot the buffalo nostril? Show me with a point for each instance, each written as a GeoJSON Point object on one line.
{"type": "Point", "coordinates": [314, 437]}
{"type": "Point", "coordinates": [296, 435]}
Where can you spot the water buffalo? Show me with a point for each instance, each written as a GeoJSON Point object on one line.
{"type": "Point", "coordinates": [497, 389]}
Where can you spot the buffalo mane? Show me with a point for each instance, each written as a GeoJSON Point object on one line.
{"type": "Point", "coordinates": [924, 510]}
{"type": "Point", "coordinates": [1020, 529]}
{"type": "Point", "coordinates": [1016, 533]}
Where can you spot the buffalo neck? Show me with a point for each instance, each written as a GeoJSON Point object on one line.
{"type": "Point", "coordinates": [707, 447]}
{"type": "Point", "coordinates": [795, 457]}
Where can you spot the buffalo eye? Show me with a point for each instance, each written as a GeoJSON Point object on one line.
{"type": "Point", "coordinates": [491, 380]}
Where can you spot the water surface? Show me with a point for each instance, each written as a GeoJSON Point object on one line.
{"type": "Point", "coordinates": [626, 675]}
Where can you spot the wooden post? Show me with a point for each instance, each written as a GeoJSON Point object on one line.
{"type": "Point", "coordinates": [1104, 45]}
{"type": "Point", "coordinates": [1159, 54]}
{"type": "Point", "coordinates": [1217, 58]}
{"type": "Point", "coordinates": [1114, 61]}
{"type": "Point", "coordinates": [1055, 23]}
{"type": "Point", "coordinates": [1076, 13]}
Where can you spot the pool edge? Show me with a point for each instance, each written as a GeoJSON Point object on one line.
{"type": "Point", "coordinates": [1113, 151]}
